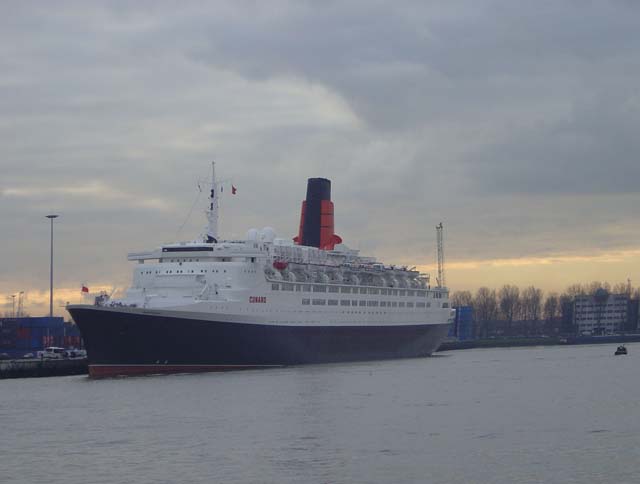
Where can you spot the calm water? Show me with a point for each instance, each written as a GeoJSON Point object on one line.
{"type": "Point", "coordinates": [527, 415]}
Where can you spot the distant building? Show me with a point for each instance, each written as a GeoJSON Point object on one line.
{"type": "Point", "coordinates": [604, 313]}
{"type": "Point", "coordinates": [19, 336]}
{"type": "Point", "coordinates": [633, 320]}
{"type": "Point", "coordinates": [462, 328]}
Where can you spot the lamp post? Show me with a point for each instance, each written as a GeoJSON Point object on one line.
{"type": "Point", "coordinates": [20, 303]}
{"type": "Point", "coordinates": [51, 217]}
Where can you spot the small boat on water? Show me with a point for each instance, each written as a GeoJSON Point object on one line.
{"type": "Point", "coordinates": [621, 350]}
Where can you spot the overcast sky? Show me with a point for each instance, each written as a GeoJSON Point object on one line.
{"type": "Point", "coordinates": [515, 123]}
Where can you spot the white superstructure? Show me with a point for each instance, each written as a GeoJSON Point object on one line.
{"type": "Point", "coordinates": [268, 280]}
{"type": "Point", "coordinates": [273, 281]}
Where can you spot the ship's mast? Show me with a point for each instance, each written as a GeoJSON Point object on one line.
{"type": "Point", "coordinates": [439, 236]}
{"type": "Point", "coordinates": [212, 209]}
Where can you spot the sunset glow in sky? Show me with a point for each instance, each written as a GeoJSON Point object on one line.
{"type": "Point", "coordinates": [514, 123]}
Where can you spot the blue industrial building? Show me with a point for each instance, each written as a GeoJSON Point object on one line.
{"type": "Point", "coordinates": [19, 336]}
{"type": "Point", "coordinates": [462, 328]}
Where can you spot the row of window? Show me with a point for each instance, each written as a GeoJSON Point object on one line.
{"type": "Point", "coordinates": [289, 286]}
{"type": "Point", "coordinates": [210, 259]}
{"type": "Point", "coordinates": [596, 325]}
{"type": "Point", "coordinates": [590, 299]}
{"type": "Point", "coordinates": [363, 303]}
{"type": "Point", "coordinates": [608, 311]}
{"type": "Point", "coordinates": [202, 271]}
{"type": "Point", "coordinates": [578, 318]}
{"type": "Point", "coordinates": [622, 304]}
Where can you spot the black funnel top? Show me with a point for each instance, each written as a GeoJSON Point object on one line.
{"type": "Point", "coordinates": [318, 189]}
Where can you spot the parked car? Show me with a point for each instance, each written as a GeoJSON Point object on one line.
{"type": "Point", "coordinates": [29, 355]}
{"type": "Point", "coordinates": [74, 353]}
{"type": "Point", "coordinates": [54, 352]}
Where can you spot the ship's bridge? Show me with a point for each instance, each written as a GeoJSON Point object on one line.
{"type": "Point", "coordinates": [218, 271]}
{"type": "Point", "coordinates": [200, 251]}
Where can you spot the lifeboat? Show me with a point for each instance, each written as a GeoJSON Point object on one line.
{"type": "Point", "coordinates": [280, 265]}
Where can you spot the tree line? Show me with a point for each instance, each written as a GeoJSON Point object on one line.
{"type": "Point", "coordinates": [510, 303]}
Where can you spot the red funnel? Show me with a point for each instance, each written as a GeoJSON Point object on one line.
{"type": "Point", "coordinates": [316, 217]}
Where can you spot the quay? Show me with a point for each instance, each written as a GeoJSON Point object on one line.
{"type": "Point", "coordinates": [32, 368]}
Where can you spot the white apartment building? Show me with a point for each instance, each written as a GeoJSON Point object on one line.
{"type": "Point", "coordinates": [602, 313]}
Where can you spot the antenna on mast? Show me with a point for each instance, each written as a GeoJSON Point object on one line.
{"type": "Point", "coordinates": [439, 232]}
{"type": "Point", "coordinates": [212, 209]}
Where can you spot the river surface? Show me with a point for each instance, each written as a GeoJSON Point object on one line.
{"type": "Point", "coordinates": [522, 415]}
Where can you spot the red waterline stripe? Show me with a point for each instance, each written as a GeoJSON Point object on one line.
{"type": "Point", "coordinates": [106, 371]}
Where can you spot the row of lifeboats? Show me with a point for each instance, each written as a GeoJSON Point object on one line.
{"type": "Point", "coordinates": [281, 270]}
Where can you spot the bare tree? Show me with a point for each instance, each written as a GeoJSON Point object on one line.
{"type": "Point", "coordinates": [593, 286]}
{"type": "Point", "coordinates": [531, 303]}
{"type": "Point", "coordinates": [486, 308]}
{"type": "Point", "coordinates": [551, 307]}
{"type": "Point", "coordinates": [537, 295]}
{"type": "Point", "coordinates": [509, 303]}
{"type": "Point", "coordinates": [575, 290]}
{"type": "Point", "coordinates": [622, 288]}
{"type": "Point", "coordinates": [566, 310]}
{"type": "Point", "coordinates": [551, 311]}
{"type": "Point", "coordinates": [462, 298]}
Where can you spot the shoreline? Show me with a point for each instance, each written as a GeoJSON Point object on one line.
{"type": "Point", "coordinates": [34, 368]}
{"type": "Point", "coordinates": [537, 341]}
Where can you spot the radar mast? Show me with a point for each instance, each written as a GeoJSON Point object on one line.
{"type": "Point", "coordinates": [439, 229]}
{"type": "Point", "coordinates": [212, 209]}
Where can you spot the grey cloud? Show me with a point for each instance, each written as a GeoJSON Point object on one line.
{"type": "Point", "coordinates": [594, 151]}
{"type": "Point", "coordinates": [514, 122]}
{"type": "Point", "coordinates": [518, 68]}
{"type": "Point", "coordinates": [417, 56]}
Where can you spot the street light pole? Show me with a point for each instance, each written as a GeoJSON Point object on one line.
{"type": "Point", "coordinates": [51, 217]}
{"type": "Point", "coordinates": [20, 303]}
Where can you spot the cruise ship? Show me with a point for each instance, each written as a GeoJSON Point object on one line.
{"type": "Point", "coordinates": [214, 304]}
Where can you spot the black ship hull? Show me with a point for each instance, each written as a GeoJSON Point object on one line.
{"type": "Point", "coordinates": [133, 343]}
